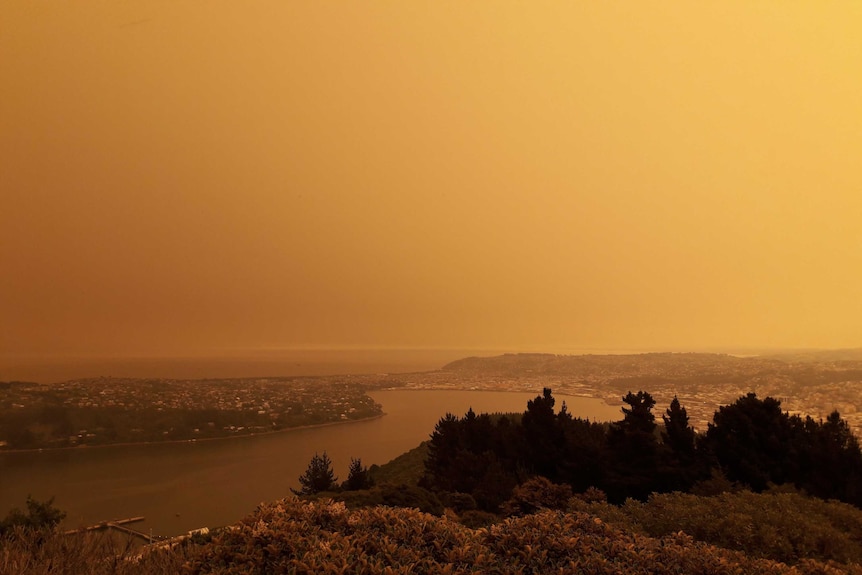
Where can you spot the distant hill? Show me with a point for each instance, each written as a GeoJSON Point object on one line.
{"type": "Point", "coordinates": [817, 355]}
{"type": "Point", "coordinates": [668, 364]}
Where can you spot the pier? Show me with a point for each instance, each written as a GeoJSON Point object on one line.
{"type": "Point", "coordinates": [116, 525]}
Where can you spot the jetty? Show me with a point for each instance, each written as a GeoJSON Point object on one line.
{"type": "Point", "coordinates": [115, 525]}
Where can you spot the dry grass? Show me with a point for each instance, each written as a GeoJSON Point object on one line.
{"type": "Point", "coordinates": [27, 552]}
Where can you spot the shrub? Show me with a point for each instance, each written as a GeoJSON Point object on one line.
{"type": "Point", "coordinates": [476, 518]}
{"type": "Point", "coordinates": [40, 515]}
{"type": "Point", "coordinates": [537, 493]}
{"type": "Point", "coordinates": [458, 501]}
{"type": "Point", "coordinates": [786, 527]}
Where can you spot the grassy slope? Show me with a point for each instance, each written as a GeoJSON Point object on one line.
{"type": "Point", "coordinates": [407, 468]}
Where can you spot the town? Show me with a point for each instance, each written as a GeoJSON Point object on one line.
{"type": "Point", "coordinates": [101, 411]}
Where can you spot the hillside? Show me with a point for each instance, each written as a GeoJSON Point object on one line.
{"type": "Point", "coordinates": [407, 468]}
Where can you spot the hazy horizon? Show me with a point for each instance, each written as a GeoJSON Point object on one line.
{"type": "Point", "coordinates": [664, 176]}
{"type": "Point", "coordinates": [306, 362]}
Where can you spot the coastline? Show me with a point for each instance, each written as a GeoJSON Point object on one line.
{"type": "Point", "coordinates": [193, 440]}
{"type": "Point", "coordinates": [606, 400]}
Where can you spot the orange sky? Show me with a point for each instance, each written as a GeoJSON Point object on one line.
{"type": "Point", "coordinates": [181, 177]}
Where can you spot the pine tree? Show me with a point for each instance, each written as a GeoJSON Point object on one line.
{"type": "Point", "coordinates": [357, 476]}
{"type": "Point", "coordinates": [681, 466]}
{"type": "Point", "coordinates": [639, 417]}
{"type": "Point", "coordinates": [318, 476]}
{"type": "Point", "coordinates": [678, 435]}
{"type": "Point", "coordinates": [544, 436]}
{"type": "Point", "coordinates": [445, 444]}
{"type": "Point", "coordinates": [633, 451]}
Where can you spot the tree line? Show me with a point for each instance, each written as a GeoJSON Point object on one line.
{"type": "Point", "coordinates": [751, 443]}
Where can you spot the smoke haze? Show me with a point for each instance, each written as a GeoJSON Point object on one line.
{"type": "Point", "coordinates": [179, 178]}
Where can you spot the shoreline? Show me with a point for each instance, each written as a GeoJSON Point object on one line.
{"type": "Point", "coordinates": [606, 400]}
{"type": "Point", "coordinates": [193, 440]}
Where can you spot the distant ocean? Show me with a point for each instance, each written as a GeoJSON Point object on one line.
{"type": "Point", "coordinates": [53, 369]}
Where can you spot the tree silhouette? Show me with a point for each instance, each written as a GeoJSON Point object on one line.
{"type": "Point", "coordinates": [357, 476]}
{"type": "Point", "coordinates": [544, 435]}
{"type": "Point", "coordinates": [639, 417]}
{"type": "Point", "coordinates": [681, 467]}
{"type": "Point", "coordinates": [40, 515]}
{"type": "Point", "coordinates": [754, 442]}
{"type": "Point", "coordinates": [446, 442]}
{"type": "Point", "coordinates": [318, 476]}
{"type": "Point", "coordinates": [832, 460]}
{"type": "Point", "coordinates": [678, 435]}
{"type": "Point", "coordinates": [633, 450]}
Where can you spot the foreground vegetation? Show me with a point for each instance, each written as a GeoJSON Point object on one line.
{"type": "Point", "coordinates": [325, 537]}
{"type": "Point", "coordinates": [27, 552]}
{"type": "Point", "coordinates": [787, 527]}
{"type": "Point", "coordinates": [292, 536]}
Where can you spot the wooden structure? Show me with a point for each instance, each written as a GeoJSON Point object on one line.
{"type": "Point", "coordinates": [116, 525]}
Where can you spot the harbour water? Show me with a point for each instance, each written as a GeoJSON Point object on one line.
{"type": "Point", "coordinates": [183, 486]}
